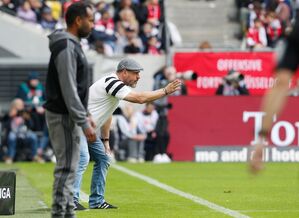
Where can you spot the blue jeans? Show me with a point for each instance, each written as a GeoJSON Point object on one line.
{"type": "Point", "coordinates": [100, 168]}
{"type": "Point", "coordinates": [30, 138]}
{"type": "Point", "coordinates": [83, 163]}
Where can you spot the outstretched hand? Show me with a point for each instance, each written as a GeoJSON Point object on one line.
{"type": "Point", "coordinates": [173, 86]}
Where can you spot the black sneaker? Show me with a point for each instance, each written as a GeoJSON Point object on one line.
{"type": "Point", "coordinates": [105, 205]}
{"type": "Point", "coordinates": [79, 206]}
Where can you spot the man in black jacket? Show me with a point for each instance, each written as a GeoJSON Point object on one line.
{"type": "Point", "coordinates": [66, 106]}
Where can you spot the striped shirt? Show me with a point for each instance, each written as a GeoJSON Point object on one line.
{"type": "Point", "coordinates": [104, 97]}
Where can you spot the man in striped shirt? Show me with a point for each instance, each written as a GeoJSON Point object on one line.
{"type": "Point", "coordinates": [104, 98]}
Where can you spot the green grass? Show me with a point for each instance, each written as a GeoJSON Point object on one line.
{"type": "Point", "coordinates": [274, 193]}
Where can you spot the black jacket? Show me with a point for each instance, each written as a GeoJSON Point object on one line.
{"type": "Point", "coordinates": [68, 78]}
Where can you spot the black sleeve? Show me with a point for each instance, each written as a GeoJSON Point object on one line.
{"type": "Point", "coordinates": [219, 90]}
{"type": "Point", "coordinates": [184, 90]}
{"type": "Point", "coordinates": [243, 90]}
{"type": "Point", "coordinates": [290, 57]}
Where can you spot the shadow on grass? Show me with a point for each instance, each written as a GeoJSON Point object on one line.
{"type": "Point", "coordinates": [34, 211]}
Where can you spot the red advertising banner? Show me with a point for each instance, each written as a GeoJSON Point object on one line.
{"type": "Point", "coordinates": [225, 121]}
{"type": "Point", "coordinates": [211, 67]}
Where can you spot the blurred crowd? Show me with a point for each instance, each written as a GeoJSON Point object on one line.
{"type": "Point", "coordinates": [121, 26]}
{"type": "Point", "coordinates": [265, 22]}
{"type": "Point", "coordinates": [24, 132]}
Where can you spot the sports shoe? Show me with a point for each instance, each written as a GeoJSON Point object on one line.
{"type": "Point", "coordinates": [132, 160]}
{"type": "Point", "coordinates": [165, 158]}
{"type": "Point", "coordinates": [79, 206]}
{"type": "Point", "coordinates": [105, 205]}
{"type": "Point", "coordinates": [8, 160]}
{"type": "Point", "coordinates": [157, 158]}
{"type": "Point", "coordinates": [141, 160]}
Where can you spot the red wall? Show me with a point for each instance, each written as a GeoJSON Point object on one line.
{"type": "Point", "coordinates": [218, 120]}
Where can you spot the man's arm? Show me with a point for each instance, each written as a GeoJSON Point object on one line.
{"type": "Point", "coordinates": [148, 96]}
{"type": "Point", "coordinates": [272, 104]}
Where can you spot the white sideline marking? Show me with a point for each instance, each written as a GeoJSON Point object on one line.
{"type": "Point", "coordinates": [268, 211]}
{"type": "Point", "coordinates": [84, 197]}
{"type": "Point", "coordinates": [186, 195]}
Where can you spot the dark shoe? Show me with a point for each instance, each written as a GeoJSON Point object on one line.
{"type": "Point", "coordinates": [105, 205]}
{"type": "Point", "coordinates": [79, 206]}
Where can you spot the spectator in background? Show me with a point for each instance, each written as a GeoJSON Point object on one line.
{"type": "Point", "coordinates": [164, 76]}
{"type": "Point", "coordinates": [139, 10]}
{"type": "Point", "coordinates": [127, 20]}
{"type": "Point", "coordinates": [283, 12]}
{"type": "Point", "coordinates": [295, 90]}
{"type": "Point", "coordinates": [205, 46]}
{"type": "Point", "coordinates": [161, 79]}
{"type": "Point", "coordinates": [99, 8]}
{"type": "Point", "coordinates": [19, 127]}
{"type": "Point", "coordinates": [132, 139]}
{"type": "Point", "coordinates": [56, 8]}
{"type": "Point", "coordinates": [243, 17]}
{"type": "Point", "coordinates": [104, 32]}
{"type": "Point", "coordinates": [133, 42]}
{"type": "Point", "coordinates": [256, 36]}
{"type": "Point", "coordinates": [146, 32]}
{"type": "Point", "coordinates": [146, 122]}
{"type": "Point", "coordinates": [127, 29]}
{"type": "Point", "coordinates": [153, 46]}
{"type": "Point", "coordinates": [154, 12]}
{"type": "Point", "coordinates": [25, 12]}
{"type": "Point", "coordinates": [32, 92]}
{"type": "Point", "coordinates": [47, 20]}
{"type": "Point", "coordinates": [119, 147]}
{"type": "Point", "coordinates": [8, 6]}
{"type": "Point", "coordinates": [232, 84]}
{"type": "Point", "coordinates": [273, 28]}
{"type": "Point", "coordinates": [121, 5]}
{"type": "Point", "coordinates": [37, 6]}
{"type": "Point", "coordinates": [255, 12]}
{"type": "Point", "coordinates": [100, 48]}
{"type": "Point", "coordinates": [127, 14]}
{"type": "Point", "coordinates": [127, 140]}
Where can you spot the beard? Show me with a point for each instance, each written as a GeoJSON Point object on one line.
{"type": "Point", "coordinates": [83, 32]}
{"type": "Point", "coordinates": [133, 85]}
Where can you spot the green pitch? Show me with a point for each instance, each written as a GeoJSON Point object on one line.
{"type": "Point", "coordinates": [274, 193]}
